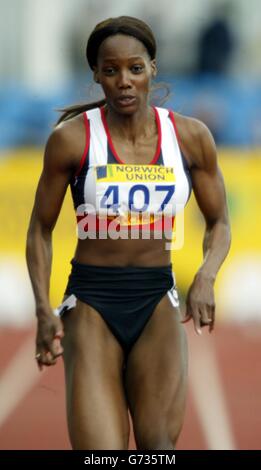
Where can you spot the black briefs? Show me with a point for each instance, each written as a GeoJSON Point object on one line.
{"type": "Point", "coordinates": [125, 297]}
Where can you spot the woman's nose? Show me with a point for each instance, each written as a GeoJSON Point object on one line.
{"type": "Point", "coordinates": [124, 80]}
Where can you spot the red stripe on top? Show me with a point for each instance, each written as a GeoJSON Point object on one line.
{"type": "Point", "coordinates": [87, 143]}
{"type": "Point", "coordinates": [172, 118]}
{"type": "Point", "coordinates": [95, 224]}
{"type": "Point", "coordinates": [157, 154]}
{"type": "Point", "coordinates": [105, 125]}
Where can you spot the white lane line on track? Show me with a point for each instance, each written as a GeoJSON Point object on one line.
{"type": "Point", "coordinates": [208, 393]}
{"type": "Point", "coordinates": [18, 378]}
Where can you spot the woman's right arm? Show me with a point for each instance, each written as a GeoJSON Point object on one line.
{"type": "Point", "coordinates": [57, 170]}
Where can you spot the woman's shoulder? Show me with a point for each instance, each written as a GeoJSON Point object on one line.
{"type": "Point", "coordinates": [71, 133]}
{"type": "Point", "coordinates": [195, 139]}
{"type": "Point", "coordinates": [67, 141]}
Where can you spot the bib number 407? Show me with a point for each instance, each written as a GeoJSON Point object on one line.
{"type": "Point", "coordinates": [110, 199]}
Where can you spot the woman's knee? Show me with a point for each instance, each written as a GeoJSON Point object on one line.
{"type": "Point", "coordinates": [99, 439]}
{"type": "Point", "coordinates": [157, 434]}
{"type": "Point", "coordinates": [154, 440]}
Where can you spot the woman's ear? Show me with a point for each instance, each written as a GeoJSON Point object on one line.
{"type": "Point", "coordinates": [95, 75]}
{"type": "Point", "coordinates": [153, 68]}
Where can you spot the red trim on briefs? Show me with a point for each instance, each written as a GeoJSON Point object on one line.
{"type": "Point", "coordinates": [157, 153]}
{"type": "Point", "coordinates": [87, 143]}
{"type": "Point", "coordinates": [172, 118]}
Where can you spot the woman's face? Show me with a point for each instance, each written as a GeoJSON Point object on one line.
{"type": "Point", "coordinates": [124, 70]}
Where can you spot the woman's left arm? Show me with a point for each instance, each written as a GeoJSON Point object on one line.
{"type": "Point", "coordinates": [209, 190]}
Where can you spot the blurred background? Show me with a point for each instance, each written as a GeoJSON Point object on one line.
{"type": "Point", "coordinates": [209, 55]}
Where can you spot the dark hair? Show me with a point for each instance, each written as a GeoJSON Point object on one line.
{"type": "Point", "coordinates": [120, 25]}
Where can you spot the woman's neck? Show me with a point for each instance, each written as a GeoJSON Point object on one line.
{"type": "Point", "coordinates": [131, 127]}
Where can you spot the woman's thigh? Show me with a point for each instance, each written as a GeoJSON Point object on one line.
{"type": "Point", "coordinates": [156, 379]}
{"type": "Point", "coordinates": [96, 403]}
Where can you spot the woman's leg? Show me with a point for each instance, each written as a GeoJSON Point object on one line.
{"type": "Point", "coordinates": [96, 404]}
{"type": "Point", "coordinates": [156, 379]}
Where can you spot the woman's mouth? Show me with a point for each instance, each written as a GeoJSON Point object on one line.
{"type": "Point", "coordinates": [126, 100]}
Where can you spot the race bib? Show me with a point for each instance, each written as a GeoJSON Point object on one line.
{"type": "Point", "coordinates": [132, 192]}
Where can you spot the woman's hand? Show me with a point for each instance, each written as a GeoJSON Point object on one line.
{"type": "Point", "coordinates": [200, 303]}
{"type": "Point", "coordinates": [48, 339]}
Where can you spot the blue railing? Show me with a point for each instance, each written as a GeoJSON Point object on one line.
{"type": "Point", "coordinates": [231, 108]}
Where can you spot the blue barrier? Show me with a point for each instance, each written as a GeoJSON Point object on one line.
{"type": "Point", "coordinates": [231, 108]}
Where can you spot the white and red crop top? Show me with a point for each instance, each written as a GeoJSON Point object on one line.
{"type": "Point", "coordinates": [106, 189]}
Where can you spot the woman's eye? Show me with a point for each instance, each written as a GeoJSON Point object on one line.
{"type": "Point", "coordinates": [137, 68]}
{"type": "Point", "coordinates": [109, 71]}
